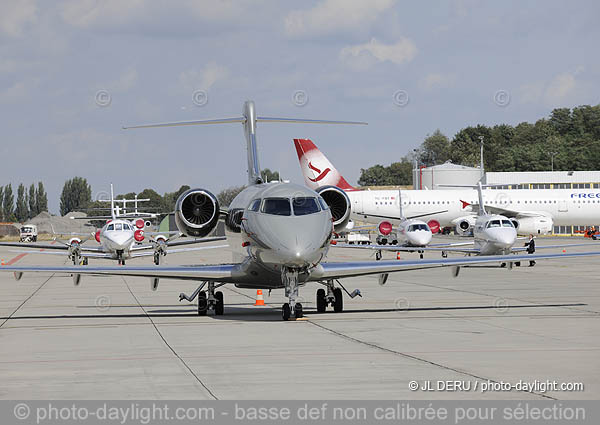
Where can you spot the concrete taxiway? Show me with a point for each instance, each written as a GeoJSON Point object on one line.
{"type": "Point", "coordinates": [114, 338]}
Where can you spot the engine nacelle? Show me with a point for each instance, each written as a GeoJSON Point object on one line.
{"type": "Point", "coordinates": [340, 206]}
{"type": "Point", "coordinates": [196, 212]}
{"type": "Point", "coordinates": [464, 225]}
{"type": "Point", "coordinates": [538, 225]}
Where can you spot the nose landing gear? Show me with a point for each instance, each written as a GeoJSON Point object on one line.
{"type": "Point", "coordinates": [290, 281]}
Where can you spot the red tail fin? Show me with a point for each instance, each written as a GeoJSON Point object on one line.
{"type": "Point", "coordinates": [316, 168]}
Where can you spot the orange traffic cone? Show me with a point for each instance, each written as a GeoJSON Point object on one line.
{"type": "Point", "coordinates": [259, 298]}
{"type": "Point", "coordinates": [398, 256]}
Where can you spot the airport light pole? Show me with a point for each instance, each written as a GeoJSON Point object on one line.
{"type": "Point", "coordinates": [552, 154]}
{"type": "Point", "coordinates": [481, 157]}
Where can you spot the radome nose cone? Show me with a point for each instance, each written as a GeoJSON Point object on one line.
{"type": "Point", "coordinates": [419, 238]}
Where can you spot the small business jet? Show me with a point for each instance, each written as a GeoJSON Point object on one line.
{"type": "Point", "coordinates": [120, 238]}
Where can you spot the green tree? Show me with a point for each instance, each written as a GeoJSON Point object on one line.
{"type": "Point", "coordinates": [435, 149]}
{"type": "Point", "coordinates": [9, 204]}
{"type": "Point", "coordinates": [76, 194]}
{"type": "Point", "coordinates": [32, 201]}
{"type": "Point", "coordinates": [21, 212]}
{"type": "Point", "coordinates": [41, 201]}
{"type": "Point", "coordinates": [377, 175]}
{"type": "Point", "coordinates": [1, 203]}
{"type": "Point", "coordinates": [227, 195]}
{"type": "Point", "coordinates": [401, 172]}
{"type": "Point", "coordinates": [269, 176]}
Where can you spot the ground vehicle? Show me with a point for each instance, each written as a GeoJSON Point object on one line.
{"type": "Point", "coordinates": [358, 238]}
{"type": "Point", "coordinates": [390, 238]}
{"type": "Point", "coordinates": [28, 233]}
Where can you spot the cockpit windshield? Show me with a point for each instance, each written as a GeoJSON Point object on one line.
{"type": "Point", "coordinates": [494, 223]}
{"type": "Point", "coordinates": [111, 227]}
{"type": "Point", "coordinates": [118, 226]}
{"type": "Point", "coordinates": [415, 227]}
{"type": "Point", "coordinates": [507, 223]}
{"type": "Point", "coordinates": [305, 205]}
{"type": "Point", "coordinates": [126, 226]}
{"type": "Point", "coordinates": [277, 206]}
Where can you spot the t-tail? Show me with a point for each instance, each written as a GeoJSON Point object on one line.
{"type": "Point", "coordinates": [317, 170]}
{"type": "Point", "coordinates": [248, 120]}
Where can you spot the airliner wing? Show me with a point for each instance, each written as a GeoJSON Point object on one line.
{"type": "Point", "coordinates": [492, 209]}
{"type": "Point", "coordinates": [340, 270]}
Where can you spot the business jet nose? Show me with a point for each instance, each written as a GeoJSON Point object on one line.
{"type": "Point", "coordinates": [293, 241]}
{"type": "Point", "coordinates": [121, 240]}
{"type": "Point", "coordinates": [505, 238]}
{"type": "Point", "coordinates": [419, 237]}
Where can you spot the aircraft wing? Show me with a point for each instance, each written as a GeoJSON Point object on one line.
{"type": "Point", "coordinates": [181, 242]}
{"type": "Point", "coordinates": [176, 250]}
{"type": "Point", "coordinates": [34, 245]}
{"type": "Point", "coordinates": [228, 273]}
{"type": "Point", "coordinates": [341, 270]}
{"type": "Point", "coordinates": [492, 209]}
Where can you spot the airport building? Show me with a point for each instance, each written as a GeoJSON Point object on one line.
{"type": "Point", "coordinates": [448, 173]}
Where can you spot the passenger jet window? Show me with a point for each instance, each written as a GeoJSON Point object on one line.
{"type": "Point", "coordinates": [276, 206]}
{"type": "Point", "coordinates": [304, 206]}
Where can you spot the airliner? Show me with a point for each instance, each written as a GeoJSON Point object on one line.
{"type": "Point", "coordinates": [532, 211]}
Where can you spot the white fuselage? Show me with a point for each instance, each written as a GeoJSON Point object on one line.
{"type": "Point", "coordinates": [413, 233]}
{"type": "Point", "coordinates": [494, 235]}
{"type": "Point", "coordinates": [117, 237]}
{"type": "Point", "coordinates": [566, 207]}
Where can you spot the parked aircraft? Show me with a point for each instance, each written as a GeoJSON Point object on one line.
{"type": "Point", "coordinates": [280, 233]}
{"type": "Point", "coordinates": [532, 211]}
{"type": "Point", "coordinates": [120, 239]}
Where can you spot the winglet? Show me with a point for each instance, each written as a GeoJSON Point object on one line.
{"type": "Point", "coordinates": [464, 204]}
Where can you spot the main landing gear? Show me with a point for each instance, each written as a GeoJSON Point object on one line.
{"type": "Point", "coordinates": [333, 297]}
{"type": "Point", "coordinates": [207, 300]}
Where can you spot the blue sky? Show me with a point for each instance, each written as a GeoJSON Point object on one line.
{"type": "Point", "coordinates": [73, 72]}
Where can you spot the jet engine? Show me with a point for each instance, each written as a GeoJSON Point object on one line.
{"type": "Point", "coordinates": [340, 206]}
{"type": "Point", "coordinates": [196, 212]}
{"type": "Point", "coordinates": [74, 241]}
{"type": "Point", "coordinates": [464, 225]}
{"type": "Point", "coordinates": [536, 225]}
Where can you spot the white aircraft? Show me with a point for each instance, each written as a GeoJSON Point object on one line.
{"type": "Point", "coordinates": [493, 234]}
{"type": "Point", "coordinates": [532, 211]}
{"type": "Point", "coordinates": [280, 234]}
{"type": "Point", "coordinates": [120, 238]}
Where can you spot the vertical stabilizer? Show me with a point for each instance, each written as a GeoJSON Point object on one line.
{"type": "Point", "coordinates": [317, 170]}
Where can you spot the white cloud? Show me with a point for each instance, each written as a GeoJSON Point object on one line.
{"type": "Point", "coordinates": [16, 15]}
{"type": "Point", "coordinates": [205, 78]}
{"type": "Point", "coordinates": [18, 91]}
{"type": "Point", "coordinates": [435, 79]}
{"type": "Point", "coordinates": [553, 92]}
{"type": "Point", "coordinates": [114, 13]}
{"type": "Point", "coordinates": [365, 55]}
{"type": "Point", "coordinates": [334, 15]}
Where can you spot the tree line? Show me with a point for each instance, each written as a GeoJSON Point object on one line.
{"type": "Point", "coordinates": [566, 140]}
{"type": "Point", "coordinates": [29, 203]}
